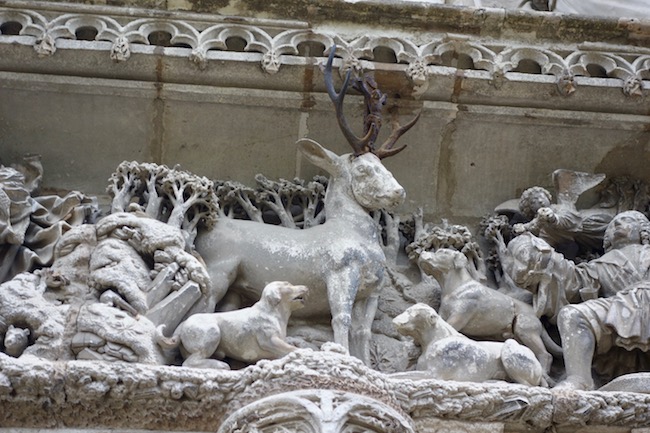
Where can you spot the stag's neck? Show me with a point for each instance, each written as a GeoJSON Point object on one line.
{"type": "Point", "coordinates": [342, 208]}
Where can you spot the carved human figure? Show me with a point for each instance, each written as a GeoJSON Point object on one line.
{"type": "Point", "coordinates": [615, 290]}
{"type": "Point", "coordinates": [562, 226]}
{"type": "Point", "coordinates": [128, 243]}
{"type": "Point", "coordinates": [30, 226]}
{"type": "Point", "coordinates": [570, 231]}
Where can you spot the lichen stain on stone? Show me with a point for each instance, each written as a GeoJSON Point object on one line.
{"type": "Point", "coordinates": [628, 158]}
{"type": "Point", "coordinates": [208, 5]}
{"type": "Point", "coordinates": [394, 85]}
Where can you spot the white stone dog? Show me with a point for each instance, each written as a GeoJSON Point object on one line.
{"type": "Point", "coordinates": [478, 311]}
{"type": "Point", "coordinates": [16, 341]}
{"type": "Point", "coordinates": [248, 335]}
{"type": "Point", "coordinates": [449, 355]}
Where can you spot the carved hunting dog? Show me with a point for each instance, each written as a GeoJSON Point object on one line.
{"type": "Point", "coordinates": [341, 260]}
{"type": "Point", "coordinates": [249, 334]}
{"type": "Point", "coordinates": [478, 311]}
{"type": "Point", "coordinates": [449, 355]}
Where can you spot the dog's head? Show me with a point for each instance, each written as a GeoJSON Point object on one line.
{"type": "Point", "coordinates": [285, 293]}
{"type": "Point", "coordinates": [415, 319]}
{"type": "Point", "coordinates": [442, 260]}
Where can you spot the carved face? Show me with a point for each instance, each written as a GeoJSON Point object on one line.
{"type": "Point", "coordinates": [441, 260]}
{"type": "Point", "coordinates": [283, 292]}
{"type": "Point", "coordinates": [16, 340]}
{"type": "Point", "coordinates": [373, 186]}
{"type": "Point", "coordinates": [625, 229]}
{"type": "Point", "coordinates": [415, 319]}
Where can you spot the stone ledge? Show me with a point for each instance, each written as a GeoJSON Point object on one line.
{"type": "Point", "coordinates": [77, 394]}
{"type": "Point", "coordinates": [175, 47]}
{"type": "Point", "coordinates": [415, 16]}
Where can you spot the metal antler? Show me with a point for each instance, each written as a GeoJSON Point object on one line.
{"type": "Point", "coordinates": [386, 149]}
{"type": "Point", "coordinates": [359, 145]}
{"type": "Point", "coordinates": [375, 101]}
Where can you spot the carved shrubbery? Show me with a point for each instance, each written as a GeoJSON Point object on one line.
{"type": "Point", "coordinates": [180, 198]}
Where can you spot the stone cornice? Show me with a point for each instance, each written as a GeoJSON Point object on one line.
{"type": "Point", "coordinates": [415, 16]}
{"type": "Point", "coordinates": [275, 44]}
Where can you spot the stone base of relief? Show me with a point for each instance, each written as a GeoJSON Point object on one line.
{"type": "Point", "coordinates": [304, 391]}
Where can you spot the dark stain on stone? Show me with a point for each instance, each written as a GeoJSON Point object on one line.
{"type": "Point", "coordinates": [208, 5]}
{"type": "Point", "coordinates": [158, 119]}
{"type": "Point", "coordinates": [394, 85]}
{"type": "Point", "coordinates": [307, 89]}
{"type": "Point", "coordinates": [628, 158]}
{"type": "Point", "coordinates": [458, 85]}
{"type": "Point", "coordinates": [446, 174]}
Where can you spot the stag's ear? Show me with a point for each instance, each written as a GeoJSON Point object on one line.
{"type": "Point", "coordinates": [318, 155]}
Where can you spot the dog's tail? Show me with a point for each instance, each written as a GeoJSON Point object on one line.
{"type": "Point", "coordinates": [551, 345]}
{"type": "Point", "coordinates": [166, 343]}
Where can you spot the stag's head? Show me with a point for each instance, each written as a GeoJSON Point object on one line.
{"type": "Point", "coordinates": [363, 177]}
{"type": "Point", "coordinates": [372, 185]}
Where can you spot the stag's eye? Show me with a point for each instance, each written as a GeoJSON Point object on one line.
{"type": "Point", "coordinates": [362, 170]}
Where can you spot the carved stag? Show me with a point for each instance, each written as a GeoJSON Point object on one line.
{"type": "Point", "coordinates": [341, 260]}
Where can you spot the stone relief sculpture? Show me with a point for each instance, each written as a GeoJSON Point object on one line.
{"type": "Point", "coordinates": [569, 230]}
{"type": "Point", "coordinates": [30, 224]}
{"type": "Point", "coordinates": [248, 334]}
{"type": "Point", "coordinates": [599, 306]}
{"type": "Point", "coordinates": [479, 311]}
{"type": "Point", "coordinates": [16, 341]}
{"type": "Point", "coordinates": [576, 233]}
{"type": "Point", "coordinates": [448, 354]}
{"type": "Point", "coordinates": [341, 261]}
{"type": "Point", "coordinates": [312, 251]}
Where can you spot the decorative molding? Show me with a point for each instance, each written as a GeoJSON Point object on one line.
{"type": "Point", "coordinates": [418, 56]}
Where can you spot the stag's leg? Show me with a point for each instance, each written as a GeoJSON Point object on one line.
{"type": "Point", "coordinates": [363, 315]}
{"type": "Point", "coordinates": [222, 274]}
{"type": "Point", "coordinates": [341, 291]}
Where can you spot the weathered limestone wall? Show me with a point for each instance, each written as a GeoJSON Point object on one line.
{"type": "Point", "coordinates": [485, 134]}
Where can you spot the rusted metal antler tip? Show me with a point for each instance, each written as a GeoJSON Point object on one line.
{"type": "Point", "coordinates": [386, 153]}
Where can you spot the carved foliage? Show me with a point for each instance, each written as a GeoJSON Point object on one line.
{"type": "Point", "coordinates": [180, 198]}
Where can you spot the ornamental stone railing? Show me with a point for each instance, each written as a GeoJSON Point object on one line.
{"type": "Point", "coordinates": [275, 43]}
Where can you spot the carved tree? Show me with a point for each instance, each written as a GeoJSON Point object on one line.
{"type": "Point", "coordinates": [177, 197]}
{"type": "Point", "coordinates": [192, 199]}
{"type": "Point", "coordinates": [124, 185]}
{"type": "Point", "coordinates": [292, 204]}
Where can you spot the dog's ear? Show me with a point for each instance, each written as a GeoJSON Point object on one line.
{"type": "Point", "coordinates": [431, 317]}
{"type": "Point", "coordinates": [275, 296]}
{"type": "Point", "coordinates": [460, 261]}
